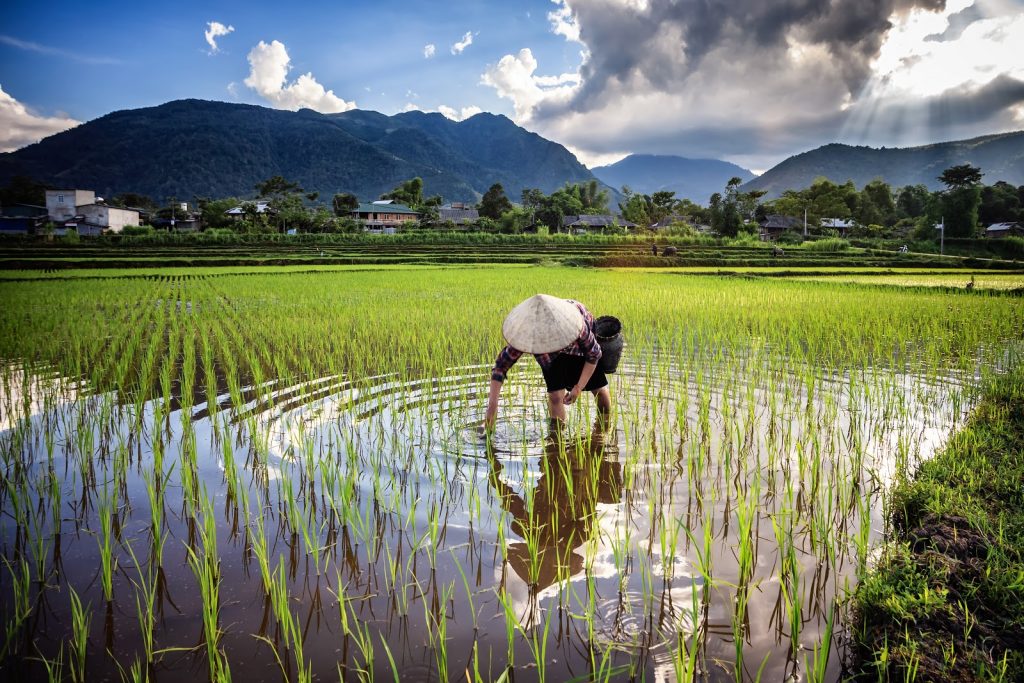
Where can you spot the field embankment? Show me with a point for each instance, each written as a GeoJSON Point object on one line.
{"type": "Point", "coordinates": [380, 250]}
{"type": "Point", "coordinates": [946, 601]}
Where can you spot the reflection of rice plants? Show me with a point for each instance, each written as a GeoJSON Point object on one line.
{"type": "Point", "coordinates": [295, 457]}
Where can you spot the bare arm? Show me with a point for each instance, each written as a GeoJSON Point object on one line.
{"type": "Point", "coordinates": [492, 404]}
{"type": "Point", "coordinates": [573, 394]}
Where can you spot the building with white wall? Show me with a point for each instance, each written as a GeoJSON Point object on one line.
{"type": "Point", "coordinates": [80, 209]}
{"type": "Point", "coordinates": [62, 205]}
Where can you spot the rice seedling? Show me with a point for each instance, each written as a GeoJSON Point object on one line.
{"type": "Point", "coordinates": [81, 619]}
{"type": "Point", "coordinates": [758, 426]}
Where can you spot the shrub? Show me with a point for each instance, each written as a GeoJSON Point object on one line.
{"type": "Point", "coordinates": [829, 244]}
{"type": "Point", "coordinates": [132, 230]}
{"type": "Point", "coordinates": [1014, 247]}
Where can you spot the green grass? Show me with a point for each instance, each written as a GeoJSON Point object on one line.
{"type": "Point", "coordinates": [946, 601]}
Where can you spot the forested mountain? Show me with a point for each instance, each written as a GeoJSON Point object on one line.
{"type": "Point", "coordinates": [1000, 157]}
{"type": "Point", "coordinates": [693, 179]}
{"type": "Point", "coordinates": [196, 148]}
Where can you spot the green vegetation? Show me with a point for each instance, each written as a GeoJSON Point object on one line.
{"type": "Point", "coordinates": [229, 249]}
{"type": "Point", "coordinates": [283, 471]}
{"type": "Point", "coordinates": [946, 601]}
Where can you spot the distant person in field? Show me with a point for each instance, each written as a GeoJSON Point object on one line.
{"type": "Point", "coordinates": [560, 335]}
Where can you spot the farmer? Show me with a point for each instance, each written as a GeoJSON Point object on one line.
{"type": "Point", "coordinates": [560, 335]}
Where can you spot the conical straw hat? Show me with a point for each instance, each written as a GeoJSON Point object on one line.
{"type": "Point", "coordinates": [542, 324]}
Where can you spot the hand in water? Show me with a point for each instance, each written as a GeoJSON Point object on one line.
{"type": "Point", "coordinates": [571, 396]}
{"type": "Point", "coordinates": [490, 417]}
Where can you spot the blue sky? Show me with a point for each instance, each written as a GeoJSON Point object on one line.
{"type": "Point", "coordinates": [120, 55]}
{"type": "Point", "coordinates": [745, 80]}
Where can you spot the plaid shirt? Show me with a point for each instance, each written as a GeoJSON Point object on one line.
{"type": "Point", "coordinates": [585, 345]}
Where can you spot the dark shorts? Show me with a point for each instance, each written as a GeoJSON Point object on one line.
{"type": "Point", "coordinates": [565, 371]}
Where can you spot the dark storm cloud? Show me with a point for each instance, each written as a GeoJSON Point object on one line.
{"type": "Point", "coordinates": [959, 107]}
{"type": "Point", "coordinates": [668, 40]}
{"type": "Point", "coordinates": [755, 81]}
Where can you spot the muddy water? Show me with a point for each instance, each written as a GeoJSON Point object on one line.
{"type": "Point", "coordinates": [716, 520]}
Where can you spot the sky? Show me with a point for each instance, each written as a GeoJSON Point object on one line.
{"type": "Point", "coordinates": [748, 81]}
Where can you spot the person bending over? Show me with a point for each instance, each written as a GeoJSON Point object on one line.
{"type": "Point", "coordinates": [560, 335]}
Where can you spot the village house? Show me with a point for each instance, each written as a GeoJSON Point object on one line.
{"type": "Point", "coordinates": [181, 219]}
{"type": "Point", "coordinates": [457, 213]}
{"type": "Point", "coordinates": [840, 225]}
{"type": "Point", "coordinates": [1000, 230]}
{"type": "Point", "coordinates": [237, 213]}
{"type": "Point", "coordinates": [22, 219]}
{"type": "Point", "coordinates": [588, 223]}
{"type": "Point", "coordinates": [676, 220]}
{"type": "Point", "coordinates": [774, 225]}
{"type": "Point", "coordinates": [383, 216]}
{"type": "Point", "coordinates": [82, 211]}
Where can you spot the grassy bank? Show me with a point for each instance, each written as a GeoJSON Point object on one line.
{"type": "Point", "coordinates": [946, 601]}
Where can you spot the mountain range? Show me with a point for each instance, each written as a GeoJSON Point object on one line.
{"type": "Point", "coordinates": [1000, 157]}
{"type": "Point", "coordinates": [197, 148]}
{"type": "Point", "coordinates": [693, 179]}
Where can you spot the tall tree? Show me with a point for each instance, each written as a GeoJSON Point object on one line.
{"type": "Point", "coordinates": [409, 193]}
{"type": "Point", "coordinates": [593, 198]}
{"type": "Point", "coordinates": [959, 177]}
{"type": "Point", "coordinates": [961, 199]}
{"type": "Point", "coordinates": [1000, 203]}
{"type": "Point", "coordinates": [876, 205]}
{"type": "Point", "coordinates": [344, 203]}
{"type": "Point", "coordinates": [494, 202]}
{"type": "Point", "coordinates": [637, 208]}
{"type": "Point", "coordinates": [912, 200]}
{"type": "Point", "coordinates": [276, 186]}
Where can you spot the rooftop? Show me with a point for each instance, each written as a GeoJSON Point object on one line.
{"type": "Point", "coordinates": [384, 208]}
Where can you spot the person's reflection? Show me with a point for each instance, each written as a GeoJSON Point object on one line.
{"type": "Point", "coordinates": [576, 476]}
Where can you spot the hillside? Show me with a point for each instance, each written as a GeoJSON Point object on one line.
{"type": "Point", "coordinates": [694, 179]}
{"type": "Point", "coordinates": [1000, 157]}
{"type": "Point", "coordinates": [195, 148]}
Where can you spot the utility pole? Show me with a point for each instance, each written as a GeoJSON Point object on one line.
{"type": "Point", "coordinates": [942, 237]}
{"type": "Point", "coordinates": [805, 221]}
{"type": "Point", "coordinates": [173, 200]}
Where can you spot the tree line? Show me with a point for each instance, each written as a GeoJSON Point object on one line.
{"type": "Point", "coordinates": [963, 206]}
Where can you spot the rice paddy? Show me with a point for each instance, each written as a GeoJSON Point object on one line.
{"type": "Point", "coordinates": [282, 476]}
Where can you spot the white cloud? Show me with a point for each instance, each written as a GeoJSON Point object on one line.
{"type": "Point", "coordinates": [459, 114]}
{"type": "Point", "coordinates": [428, 50]}
{"type": "Point", "coordinates": [269, 64]}
{"type": "Point", "coordinates": [563, 23]}
{"type": "Point", "coordinates": [214, 30]}
{"type": "Point", "coordinates": [513, 78]}
{"type": "Point", "coordinates": [466, 41]}
{"type": "Point", "coordinates": [20, 127]}
{"type": "Point", "coordinates": [449, 112]}
{"type": "Point", "coordinates": [594, 160]}
{"type": "Point", "coordinates": [56, 51]}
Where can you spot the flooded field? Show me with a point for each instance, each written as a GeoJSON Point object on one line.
{"type": "Point", "coordinates": [284, 478]}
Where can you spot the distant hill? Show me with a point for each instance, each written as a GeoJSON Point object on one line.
{"type": "Point", "coordinates": [1000, 157]}
{"type": "Point", "coordinates": [196, 148]}
{"type": "Point", "coordinates": [693, 179]}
